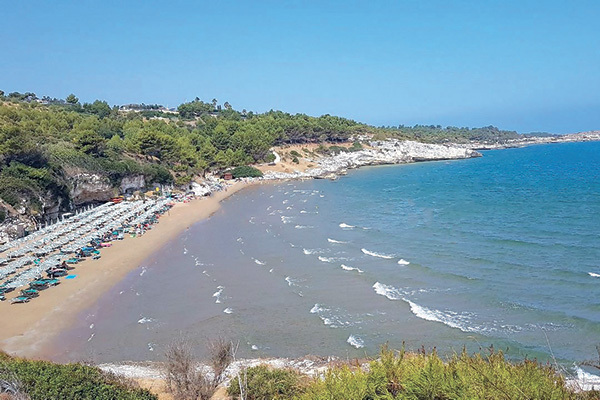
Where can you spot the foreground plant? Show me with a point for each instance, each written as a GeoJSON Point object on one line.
{"type": "Point", "coordinates": [415, 376]}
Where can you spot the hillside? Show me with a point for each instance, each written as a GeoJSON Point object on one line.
{"type": "Point", "coordinates": [58, 155]}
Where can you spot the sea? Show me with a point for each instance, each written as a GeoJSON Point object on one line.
{"type": "Point", "coordinates": [500, 252]}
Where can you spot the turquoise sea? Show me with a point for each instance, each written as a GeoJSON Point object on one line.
{"type": "Point", "coordinates": [501, 250]}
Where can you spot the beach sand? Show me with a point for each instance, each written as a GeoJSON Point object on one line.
{"type": "Point", "coordinates": [27, 329]}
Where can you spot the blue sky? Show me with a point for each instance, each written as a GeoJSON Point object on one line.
{"type": "Point", "coordinates": [522, 65]}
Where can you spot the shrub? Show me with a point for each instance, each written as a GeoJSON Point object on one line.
{"type": "Point", "coordinates": [294, 153]}
{"type": "Point", "coordinates": [246, 171]}
{"type": "Point", "coordinates": [262, 383]}
{"type": "Point", "coordinates": [295, 160]}
{"type": "Point", "coordinates": [183, 377]}
{"type": "Point", "coordinates": [43, 380]}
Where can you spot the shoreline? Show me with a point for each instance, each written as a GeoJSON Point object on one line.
{"type": "Point", "coordinates": [33, 327]}
{"type": "Point", "coordinates": [28, 330]}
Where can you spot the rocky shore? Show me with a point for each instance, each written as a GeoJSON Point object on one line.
{"type": "Point", "coordinates": [379, 153]}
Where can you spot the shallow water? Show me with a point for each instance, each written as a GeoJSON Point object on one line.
{"type": "Point", "coordinates": [501, 250]}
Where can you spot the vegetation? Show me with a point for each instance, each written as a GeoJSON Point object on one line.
{"type": "Point", "coordinates": [185, 381]}
{"type": "Point", "coordinates": [414, 376]}
{"type": "Point", "coordinates": [261, 382]}
{"type": "Point", "coordinates": [41, 380]}
{"type": "Point", "coordinates": [246, 171]}
{"type": "Point", "coordinates": [43, 142]}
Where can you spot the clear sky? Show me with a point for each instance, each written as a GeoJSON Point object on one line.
{"type": "Point", "coordinates": [522, 65]}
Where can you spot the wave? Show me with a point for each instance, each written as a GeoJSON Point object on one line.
{"type": "Point", "coordinates": [335, 241]}
{"type": "Point", "coordinates": [460, 321]}
{"type": "Point", "coordinates": [388, 291]}
{"type": "Point", "coordinates": [303, 227]}
{"type": "Point", "coordinates": [316, 309]}
{"type": "Point", "coordinates": [308, 252]}
{"type": "Point", "coordinates": [402, 261]}
{"type": "Point", "coordinates": [286, 220]}
{"type": "Point", "coordinates": [145, 320]}
{"type": "Point", "coordinates": [294, 281]}
{"type": "Point", "coordinates": [347, 268]}
{"type": "Point", "coordinates": [330, 318]}
{"type": "Point", "coordinates": [184, 250]}
{"type": "Point", "coordinates": [355, 341]}
{"type": "Point", "coordinates": [257, 261]}
{"type": "Point", "coordinates": [594, 275]}
{"type": "Point", "coordinates": [346, 226]}
{"type": "Point", "coordinates": [373, 254]}
{"type": "Point", "coordinates": [585, 380]}
{"type": "Point", "coordinates": [228, 310]}
{"type": "Point", "coordinates": [218, 293]}
{"type": "Point", "coordinates": [143, 271]}
{"type": "Point", "coordinates": [326, 259]}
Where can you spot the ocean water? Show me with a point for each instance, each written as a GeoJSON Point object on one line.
{"type": "Point", "coordinates": [502, 250]}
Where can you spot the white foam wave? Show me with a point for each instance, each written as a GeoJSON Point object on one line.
{"type": "Point", "coordinates": [585, 380]}
{"type": "Point", "coordinates": [335, 241]}
{"type": "Point", "coordinates": [257, 261]}
{"type": "Point", "coordinates": [402, 261]}
{"type": "Point", "coordinates": [91, 337]}
{"type": "Point", "coordinates": [218, 293]}
{"type": "Point", "coordinates": [145, 320]}
{"type": "Point", "coordinates": [346, 226]}
{"type": "Point", "coordinates": [326, 259]}
{"type": "Point", "coordinates": [254, 347]}
{"type": "Point", "coordinates": [184, 250]}
{"type": "Point", "coordinates": [452, 319]}
{"type": "Point", "coordinates": [594, 275]}
{"type": "Point", "coordinates": [347, 268]}
{"type": "Point", "coordinates": [150, 347]}
{"type": "Point", "coordinates": [303, 227]}
{"type": "Point", "coordinates": [228, 310]}
{"type": "Point", "coordinates": [355, 341]}
{"type": "Point", "coordinates": [308, 252]}
{"type": "Point", "coordinates": [316, 309]}
{"type": "Point", "coordinates": [143, 271]}
{"type": "Point", "coordinates": [286, 220]}
{"type": "Point", "coordinates": [373, 254]}
{"type": "Point", "coordinates": [240, 240]}
{"type": "Point", "coordinates": [388, 291]}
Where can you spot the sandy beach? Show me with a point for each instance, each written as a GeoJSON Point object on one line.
{"type": "Point", "coordinates": [27, 329]}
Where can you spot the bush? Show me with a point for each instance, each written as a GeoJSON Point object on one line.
{"type": "Point", "coordinates": [294, 153]}
{"type": "Point", "coordinates": [246, 171]}
{"type": "Point", "coordinates": [262, 383]}
{"type": "Point", "coordinates": [416, 376]}
{"type": "Point", "coordinates": [43, 380]}
{"type": "Point", "coordinates": [295, 160]}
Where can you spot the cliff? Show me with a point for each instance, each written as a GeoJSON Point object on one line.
{"type": "Point", "coordinates": [380, 152]}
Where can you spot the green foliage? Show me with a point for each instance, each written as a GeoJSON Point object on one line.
{"type": "Point", "coordinates": [420, 376]}
{"type": "Point", "coordinates": [295, 160]}
{"type": "Point", "coordinates": [262, 383]}
{"type": "Point", "coordinates": [2, 215]}
{"type": "Point", "coordinates": [246, 171]}
{"type": "Point", "coordinates": [44, 380]}
{"type": "Point", "coordinates": [295, 153]}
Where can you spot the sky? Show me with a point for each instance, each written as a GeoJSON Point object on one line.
{"type": "Point", "coordinates": [524, 65]}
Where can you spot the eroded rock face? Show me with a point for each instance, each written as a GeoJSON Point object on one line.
{"type": "Point", "coordinates": [90, 187]}
{"type": "Point", "coordinates": [132, 183]}
{"type": "Point", "coordinates": [382, 152]}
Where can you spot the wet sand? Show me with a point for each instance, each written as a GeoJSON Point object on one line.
{"type": "Point", "coordinates": [27, 329]}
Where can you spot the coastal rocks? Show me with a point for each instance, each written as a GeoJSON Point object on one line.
{"type": "Point", "coordinates": [381, 152]}
{"type": "Point", "coordinates": [89, 187]}
{"type": "Point", "coordinates": [130, 184]}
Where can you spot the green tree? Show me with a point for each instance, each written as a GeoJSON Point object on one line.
{"type": "Point", "coordinates": [72, 99]}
